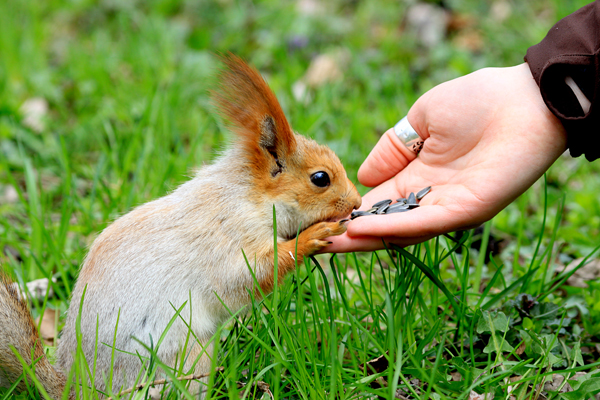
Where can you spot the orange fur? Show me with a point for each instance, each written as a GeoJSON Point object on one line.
{"type": "Point", "coordinates": [245, 101]}
{"type": "Point", "coordinates": [187, 249]}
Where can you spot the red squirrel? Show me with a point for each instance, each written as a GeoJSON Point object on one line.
{"type": "Point", "coordinates": [189, 246]}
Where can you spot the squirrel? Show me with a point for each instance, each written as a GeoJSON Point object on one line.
{"type": "Point", "coordinates": [189, 248]}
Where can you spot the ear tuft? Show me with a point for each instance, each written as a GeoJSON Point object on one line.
{"type": "Point", "coordinates": [251, 109]}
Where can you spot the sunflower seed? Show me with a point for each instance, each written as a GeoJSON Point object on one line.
{"type": "Point", "coordinates": [386, 207]}
{"type": "Point", "coordinates": [382, 203]}
{"type": "Point", "coordinates": [397, 206]}
{"type": "Point", "coordinates": [412, 199]}
{"type": "Point", "coordinates": [381, 210]}
{"type": "Point", "coordinates": [396, 210]}
{"type": "Point", "coordinates": [421, 193]}
{"type": "Point", "coordinates": [356, 214]}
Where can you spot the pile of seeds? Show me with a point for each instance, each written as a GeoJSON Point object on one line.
{"type": "Point", "coordinates": [386, 206]}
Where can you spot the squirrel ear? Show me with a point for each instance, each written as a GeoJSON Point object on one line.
{"type": "Point", "coordinates": [252, 111]}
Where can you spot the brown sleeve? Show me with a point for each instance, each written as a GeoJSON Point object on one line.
{"type": "Point", "coordinates": [571, 48]}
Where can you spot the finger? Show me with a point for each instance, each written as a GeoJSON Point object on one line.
{"type": "Point", "coordinates": [347, 244]}
{"type": "Point", "coordinates": [344, 244]}
{"type": "Point", "coordinates": [425, 221]}
{"type": "Point", "coordinates": [417, 115]}
{"type": "Point", "coordinates": [388, 157]}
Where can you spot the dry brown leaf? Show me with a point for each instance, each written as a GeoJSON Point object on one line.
{"type": "Point", "coordinates": [456, 376]}
{"type": "Point", "coordinates": [588, 272]}
{"type": "Point", "coordinates": [48, 327]}
{"type": "Point", "coordinates": [554, 384]}
{"type": "Point", "coordinates": [476, 396]}
{"type": "Point", "coordinates": [416, 384]}
{"type": "Point", "coordinates": [401, 394]}
{"type": "Point", "coordinates": [521, 349]}
{"type": "Point", "coordinates": [38, 289]}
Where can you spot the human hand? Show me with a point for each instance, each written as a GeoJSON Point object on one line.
{"type": "Point", "coordinates": [488, 137]}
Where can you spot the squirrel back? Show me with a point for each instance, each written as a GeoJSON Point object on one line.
{"type": "Point", "coordinates": [188, 249]}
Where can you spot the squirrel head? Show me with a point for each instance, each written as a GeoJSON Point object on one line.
{"type": "Point", "coordinates": [304, 180]}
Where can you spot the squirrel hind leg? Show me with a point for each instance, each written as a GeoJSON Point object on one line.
{"type": "Point", "coordinates": [197, 367]}
{"type": "Point", "coordinates": [198, 361]}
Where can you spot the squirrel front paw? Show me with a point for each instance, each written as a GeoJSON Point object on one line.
{"type": "Point", "coordinates": [313, 237]}
{"type": "Point", "coordinates": [310, 241]}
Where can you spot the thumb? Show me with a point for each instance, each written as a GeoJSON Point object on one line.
{"type": "Point", "coordinates": [388, 157]}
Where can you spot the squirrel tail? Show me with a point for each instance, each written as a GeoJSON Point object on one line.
{"type": "Point", "coordinates": [18, 333]}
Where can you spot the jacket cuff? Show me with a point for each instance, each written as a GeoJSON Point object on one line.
{"type": "Point", "coordinates": [572, 48]}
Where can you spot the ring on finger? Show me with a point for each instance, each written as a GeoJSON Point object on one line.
{"type": "Point", "coordinates": [407, 135]}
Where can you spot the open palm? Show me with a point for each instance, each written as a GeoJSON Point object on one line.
{"type": "Point", "coordinates": [488, 137]}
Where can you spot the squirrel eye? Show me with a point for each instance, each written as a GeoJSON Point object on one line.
{"type": "Point", "coordinates": [320, 179]}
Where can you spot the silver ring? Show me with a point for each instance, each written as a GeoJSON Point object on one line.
{"type": "Point", "coordinates": [407, 135]}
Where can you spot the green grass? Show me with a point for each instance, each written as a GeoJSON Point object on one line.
{"type": "Point", "coordinates": [129, 118]}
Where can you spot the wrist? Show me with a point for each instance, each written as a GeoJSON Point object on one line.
{"type": "Point", "coordinates": [550, 125]}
